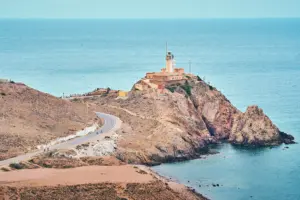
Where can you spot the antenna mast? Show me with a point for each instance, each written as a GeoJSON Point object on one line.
{"type": "Point", "coordinates": [166, 48]}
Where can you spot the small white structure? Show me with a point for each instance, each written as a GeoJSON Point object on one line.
{"type": "Point", "coordinates": [4, 80]}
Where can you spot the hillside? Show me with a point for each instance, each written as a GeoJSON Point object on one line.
{"type": "Point", "coordinates": [29, 118]}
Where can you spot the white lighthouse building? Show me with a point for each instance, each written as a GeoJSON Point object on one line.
{"type": "Point", "coordinates": [167, 76]}
{"type": "Point", "coordinates": [169, 62]}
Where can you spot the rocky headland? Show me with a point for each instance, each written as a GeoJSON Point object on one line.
{"type": "Point", "coordinates": [181, 121]}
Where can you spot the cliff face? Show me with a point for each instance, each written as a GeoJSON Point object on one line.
{"type": "Point", "coordinates": [180, 123]}
{"type": "Point", "coordinates": [224, 121]}
{"type": "Point", "coordinates": [217, 112]}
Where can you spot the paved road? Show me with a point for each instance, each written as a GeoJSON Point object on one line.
{"type": "Point", "coordinates": [110, 122]}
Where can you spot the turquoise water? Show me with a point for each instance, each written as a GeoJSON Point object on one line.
{"type": "Point", "coordinates": [250, 61]}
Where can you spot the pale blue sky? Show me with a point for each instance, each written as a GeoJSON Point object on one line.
{"type": "Point", "coordinates": [149, 8]}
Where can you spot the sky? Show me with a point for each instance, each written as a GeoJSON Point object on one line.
{"type": "Point", "coordinates": [149, 8]}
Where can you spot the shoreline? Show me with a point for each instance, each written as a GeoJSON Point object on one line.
{"type": "Point", "coordinates": [170, 181]}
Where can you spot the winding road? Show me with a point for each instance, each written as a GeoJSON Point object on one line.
{"type": "Point", "coordinates": [110, 124]}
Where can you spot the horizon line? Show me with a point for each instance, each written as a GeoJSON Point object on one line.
{"type": "Point", "coordinates": [141, 18]}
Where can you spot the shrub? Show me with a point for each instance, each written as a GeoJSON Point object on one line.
{"type": "Point", "coordinates": [11, 81]}
{"type": "Point", "coordinates": [16, 166]}
{"type": "Point", "coordinates": [187, 88]}
{"type": "Point", "coordinates": [211, 87]}
{"type": "Point", "coordinates": [3, 94]}
{"type": "Point", "coordinates": [46, 165]}
{"type": "Point", "coordinates": [121, 198]}
{"type": "Point", "coordinates": [75, 100]}
{"type": "Point", "coordinates": [198, 78]}
{"type": "Point", "coordinates": [67, 166]}
{"type": "Point", "coordinates": [171, 89]}
{"type": "Point", "coordinates": [142, 172]}
{"type": "Point", "coordinates": [5, 169]}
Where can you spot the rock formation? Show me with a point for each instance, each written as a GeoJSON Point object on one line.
{"type": "Point", "coordinates": [181, 121]}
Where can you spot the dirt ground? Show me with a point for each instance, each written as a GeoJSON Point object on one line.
{"type": "Point", "coordinates": [74, 176]}
{"type": "Point", "coordinates": [124, 182]}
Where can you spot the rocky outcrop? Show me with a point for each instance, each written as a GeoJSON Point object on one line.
{"type": "Point", "coordinates": [254, 128]}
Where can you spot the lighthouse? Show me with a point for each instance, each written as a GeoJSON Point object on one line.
{"type": "Point", "coordinates": [169, 62]}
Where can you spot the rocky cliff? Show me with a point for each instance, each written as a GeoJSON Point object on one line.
{"type": "Point", "coordinates": [180, 122]}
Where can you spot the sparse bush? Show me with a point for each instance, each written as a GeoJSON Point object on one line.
{"type": "Point", "coordinates": [187, 88]}
{"type": "Point", "coordinates": [142, 172]}
{"type": "Point", "coordinates": [3, 94]}
{"type": "Point", "coordinates": [5, 169]}
{"type": "Point", "coordinates": [211, 87]}
{"type": "Point", "coordinates": [198, 78]}
{"type": "Point", "coordinates": [75, 100]}
{"type": "Point", "coordinates": [16, 166]}
{"type": "Point", "coordinates": [108, 90]}
{"type": "Point", "coordinates": [171, 89]}
{"type": "Point", "coordinates": [11, 81]}
{"type": "Point", "coordinates": [46, 165]}
{"type": "Point", "coordinates": [67, 166]}
{"type": "Point", "coordinates": [121, 198]}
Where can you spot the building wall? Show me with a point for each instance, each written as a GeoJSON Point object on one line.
{"type": "Point", "coordinates": [4, 80]}
{"type": "Point", "coordinates": [179, 77]}
{"type": "Point", "coordinates": [150, 75]}
{"type": "Point", "coordinates": [179, 70]}
{"type": "Point", "coordinates": [160, 78]}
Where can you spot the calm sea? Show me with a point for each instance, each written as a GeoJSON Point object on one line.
{"type": "Point", "coordinates": [250, 61]}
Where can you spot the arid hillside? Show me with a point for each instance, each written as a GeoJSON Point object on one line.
{"type": "Point", "coordinates": [29, 117]}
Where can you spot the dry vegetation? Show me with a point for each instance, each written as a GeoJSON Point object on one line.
{"type": "Point", "coordinates": [155, 190]}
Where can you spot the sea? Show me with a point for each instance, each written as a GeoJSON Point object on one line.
{"type": "Point", "coordinates": [252, 61]}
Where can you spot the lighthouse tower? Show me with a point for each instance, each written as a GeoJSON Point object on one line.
{"type": "Point", "coordinates": [169, 62]}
